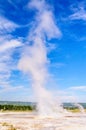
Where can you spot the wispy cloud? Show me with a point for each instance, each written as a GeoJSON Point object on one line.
{"type": "Point", "coordinates": [58, 65]}
{"type": "Point", "coordinates": [71, 94]}
{"type": "Point", "coordinates": [7, 93]}
{"type": "Point", "coordinates": [8, 44]}
{"type": "Point", "coordinates": [13, 3]}
{"type": "Point", "coordinates": [13, 43]}
{"type": "Point", "coordinates": [6, 26]}
{"type": "Point", "coordinates": [79, 13]}
{"type": "Point", "coordinates": [79, 88]}
{"type": "Point", "coordinates": [7, 64]}
{"type": "Point", "coordinates": [8, 88]}
{"type": "Point", "coordinates": [65, 95]}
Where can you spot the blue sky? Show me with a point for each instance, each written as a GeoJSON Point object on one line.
{"type": "Point", "coordinates": [66, 52]}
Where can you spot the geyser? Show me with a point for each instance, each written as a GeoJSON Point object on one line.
{"type": "Point", "coordinates": [34, 58]}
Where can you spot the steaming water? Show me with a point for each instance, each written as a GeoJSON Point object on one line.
{"type": "Point", "coordinates": [81, 108]}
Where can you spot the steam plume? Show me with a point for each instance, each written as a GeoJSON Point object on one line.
{"type": "Point", "coordinates": [34, 58]}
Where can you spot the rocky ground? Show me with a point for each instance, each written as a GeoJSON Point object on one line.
{"type": "Point", "coordinates": [30, 121]}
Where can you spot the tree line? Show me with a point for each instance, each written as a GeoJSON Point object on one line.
{"type": "Point", "coordinates": [17, 107]}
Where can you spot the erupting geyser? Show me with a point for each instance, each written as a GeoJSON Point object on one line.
{"type": "Point", "coordinates": [34, 58]}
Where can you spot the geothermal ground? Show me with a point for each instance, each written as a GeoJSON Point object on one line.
{"type": "Point", "coordinates": [30, 121]}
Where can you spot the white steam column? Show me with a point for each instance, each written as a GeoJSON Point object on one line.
{"type": "Point", "coordinates": [34, 58]}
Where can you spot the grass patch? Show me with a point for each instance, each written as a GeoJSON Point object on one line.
{"type": "Point", "coordinates": [74, 110]}
{"type": "Point", "coordinates": [5, 124]}
{"type": "Point", "coordinates": [10, 126]}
